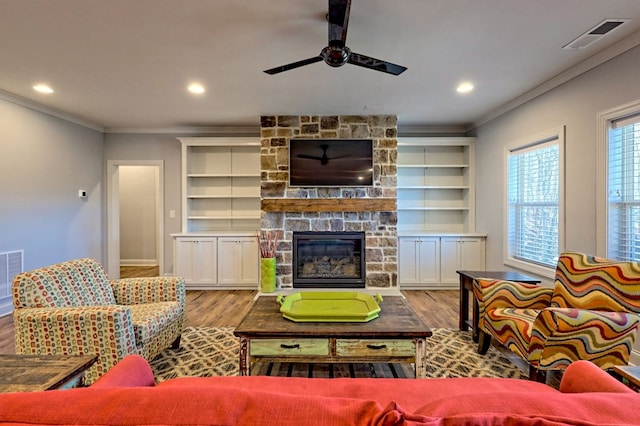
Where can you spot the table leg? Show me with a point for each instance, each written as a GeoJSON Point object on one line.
{"type": "Point", "coordinates": [245, 362]}
{"type": "Point", "coordinates": [421, 351]}
{"type": "Point", "coordinates": [476, 318]}
{"type": "Point", "coordinates": [464, 304]}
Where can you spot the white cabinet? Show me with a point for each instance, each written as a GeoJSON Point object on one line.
{"type": "Point", "coordinates": [220, 184]}
{"type": "Point", "coordinates": [196, 260]}
{"type": "Point", "coordinates": [210, 262]}
{"type": "Point", "coordinates": [436, 188]}
{"type": "Point", "coordinates": [238, 261]}
{"type": "Point", "coordinates": [460, 254]}
{"type": "Point", "coordinates": [418, 261]}
{"type": "Point", "coordinates": [431, 262]}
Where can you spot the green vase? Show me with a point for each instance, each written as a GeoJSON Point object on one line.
{"type": "Point", "coordinates": [268, 274]}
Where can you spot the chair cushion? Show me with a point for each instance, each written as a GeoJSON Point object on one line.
{"type": "Point", "coordinates": [589, 282]}
{"type": "Point", "coordinates": [150, 319]}
{"type": "Point", "coordinates": [512, 327]}
{"type": "Point", "coordinates": [81, 282]}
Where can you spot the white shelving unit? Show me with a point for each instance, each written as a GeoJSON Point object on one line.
{"type": "Point", "coordinates": [436, 189]}
{"type": "Point", "coordinates": [218, 247]}
{"type": "Point", "coordinates": [221, 184]}
{"type": "Point", "coordinates": [436, 211]}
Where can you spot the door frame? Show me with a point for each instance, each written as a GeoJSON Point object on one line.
{"type": "Point", "coordinates": [113, 212]}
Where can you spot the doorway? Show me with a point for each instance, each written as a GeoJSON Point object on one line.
{"type": "Point", "coordinates": [135, 186]}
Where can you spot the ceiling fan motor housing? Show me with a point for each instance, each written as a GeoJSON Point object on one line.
{"type": "Point", "coordinates": [335, 56]}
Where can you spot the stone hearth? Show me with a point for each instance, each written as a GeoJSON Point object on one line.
{"type": "Point", "coordinates": [371, 210]}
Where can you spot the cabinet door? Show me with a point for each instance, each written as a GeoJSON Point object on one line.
{"type": "Point", "coordinates": [184, 259]}
{"type": "Point", "coordinates": [196, 260]}
{"type": "Point", "coordinates": [460, 254]}
{"type": "Point", "coordinates": [429, 260]}
{"type": "Point", "coordinates": [419, 261]}
{"type": "Point", "coordinates": [238, 261]}
{"type": "Point", "coordinates": [249, 261]}
{"type": "Point", "coordinates": [472, 254]}
{"type": "Point", "coordinates": [449, 261]}
{"type": "Point", "coordinates": [408, 260]}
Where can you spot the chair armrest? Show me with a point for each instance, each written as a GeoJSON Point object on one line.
{"type": "Point", "coordinates": [492, 294]}
{"type": "Point", "coordinates": [134, 291]}
{"type": "Point", "coordinates": [132, 370]}
{"type": "Point", "coordinates": [569, 334]}
{"type": "Point", "coordinates": [584, 376]}
{"type": "Point", "coordinates": [106, 331]}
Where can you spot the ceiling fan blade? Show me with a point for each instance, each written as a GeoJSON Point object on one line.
{"type": "Point", "coordinates": [293, 65]}
{"type": "Point", "coordinates": [338, 21]}
{"type": "Point", "coordinates": [375, 64]}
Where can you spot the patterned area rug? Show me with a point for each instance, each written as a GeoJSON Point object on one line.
{"type": "Point", "coordinates": [208, 351]}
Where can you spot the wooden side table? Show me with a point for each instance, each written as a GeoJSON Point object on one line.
{"type": "Point", "coordinates": [29, 373]}
{"type": "Point", "coordinates": [466, 288]}
{"type": "Point", "coordinates": [630, 375]}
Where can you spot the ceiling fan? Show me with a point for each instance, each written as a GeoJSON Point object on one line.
{"type": "Point", "coordinates": [337, 53]}
{"type": "Point", "coordinates": [324, 160]}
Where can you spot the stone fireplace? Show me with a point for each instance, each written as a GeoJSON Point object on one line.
{"type": "Point", "coordinates": [370, 211]}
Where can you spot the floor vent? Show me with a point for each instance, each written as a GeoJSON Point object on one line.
{"type": "Point", "coordinates": [11, 264]}
{"type": "Point", "coordinates": [595, 33]}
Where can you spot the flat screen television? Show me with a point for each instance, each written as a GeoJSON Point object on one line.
{"type": "Point", "coordinates": [330, 162]}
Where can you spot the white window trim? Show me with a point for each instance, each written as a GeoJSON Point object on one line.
{"type": "Point", "coordinates": [604, 120]}
{"type": "Point", "coordinates": [551, 134]}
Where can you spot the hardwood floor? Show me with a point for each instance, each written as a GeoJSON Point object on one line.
{"type": "Point", "coordinates": [225, 308]}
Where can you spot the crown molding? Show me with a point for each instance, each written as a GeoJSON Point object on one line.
{"type": "Point", "coordinates": [36, 106]}
{"type": "Point", "coordinates": [588, 64]}
{"type": "Point", "coordinates": [249, 131]}
{"type": "Point", "coordinates": [454, 130]}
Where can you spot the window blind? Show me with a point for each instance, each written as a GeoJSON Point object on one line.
{"type": "Point", "coordinates": [533, 203]}
{"type": "Point", "coordinates": [623, 230]}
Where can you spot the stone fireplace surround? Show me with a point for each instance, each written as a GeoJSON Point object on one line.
{"type": "Point", "coordinates": [371, 210]}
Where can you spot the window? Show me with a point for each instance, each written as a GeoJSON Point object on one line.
{"type": "Point", "coordinates": [623, 188]}
{"type": "Point", "coordinates": [534, 203]}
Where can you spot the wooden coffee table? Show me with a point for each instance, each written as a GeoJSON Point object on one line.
{"type": "Point", "coordinates": [397, 335]}
{"type": "Point", "coordinates": [28, 373]}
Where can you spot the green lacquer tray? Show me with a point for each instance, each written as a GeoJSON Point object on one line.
{"type": "Point", "coordinates": [339, 306]}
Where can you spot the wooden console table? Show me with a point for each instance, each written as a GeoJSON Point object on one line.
{"type": "Point", "coordinates": [28, 373]}
{"type": "Point", "coordinates": [397, 335]}
{"type": "Point", "coordinates": [466, 288]}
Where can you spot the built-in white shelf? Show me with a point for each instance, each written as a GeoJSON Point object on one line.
{"type": "Point", "coordinates": [220, 184]}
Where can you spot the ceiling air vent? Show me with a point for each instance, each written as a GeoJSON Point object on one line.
{"type": "Point", "coordinates": [595, 33]}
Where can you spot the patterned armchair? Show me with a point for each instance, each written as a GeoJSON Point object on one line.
{"type": "Point", "coordinates": [72, 308]}
{"type": "Point", "coordinates": [591, 314]}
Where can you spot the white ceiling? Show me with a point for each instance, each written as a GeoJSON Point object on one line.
{"type": "Point", "coordinates": [125, 64]}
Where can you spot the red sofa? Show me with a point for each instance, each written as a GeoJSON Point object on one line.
{"type": "Point", "coordinates": [128, 395]}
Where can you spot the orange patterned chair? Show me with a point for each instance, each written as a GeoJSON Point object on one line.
{"type": "Point", "coordinates": [590, 314]}
{"type": "Point", "coordinates": [72, 308]}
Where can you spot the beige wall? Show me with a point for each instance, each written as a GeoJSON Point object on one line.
{"type": "Point", "coordinates": [44, 161]}
{"type": "Point", "coordinates": [575, 105]}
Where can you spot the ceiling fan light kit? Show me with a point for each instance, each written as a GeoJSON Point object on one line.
{"type": "Point", "coordinates": [337, 53]}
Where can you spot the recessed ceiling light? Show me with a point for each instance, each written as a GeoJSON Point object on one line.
{"type": "Point", "coordinates": [196, 88]}
{"type": "Point", "coordinates": [42, 88]}
{"type": "Point", "coordinates": [465, 87]}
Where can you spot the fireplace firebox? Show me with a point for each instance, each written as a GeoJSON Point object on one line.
{"type": "Point", "coordinates": [329, 260]}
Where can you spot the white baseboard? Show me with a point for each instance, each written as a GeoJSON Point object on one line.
{"type": "Point", "coordinates": [139, 262]}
